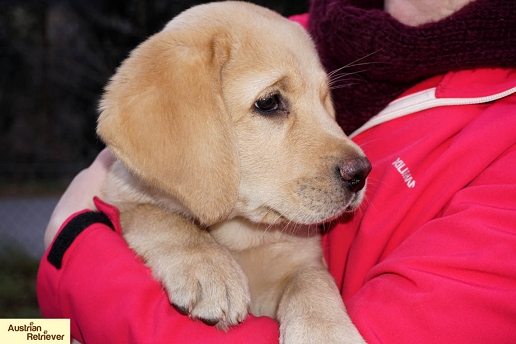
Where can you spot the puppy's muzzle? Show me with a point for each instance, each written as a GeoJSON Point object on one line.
{"type": "Point", "coordinates": [354, 173]}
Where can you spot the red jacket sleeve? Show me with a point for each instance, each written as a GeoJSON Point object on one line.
{"type": "Point", "coordinates": [111, 297]}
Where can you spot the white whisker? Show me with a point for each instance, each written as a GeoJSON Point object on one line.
{"type": "Point", "coordinates": [354, 63]}
{"type": "Point", "coordinates": [335, 75]}
{"type": "Point", "coordinates": [344, 85]}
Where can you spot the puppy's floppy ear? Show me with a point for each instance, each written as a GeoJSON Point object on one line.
{"type": "Point", "coordinates": [163, 114]}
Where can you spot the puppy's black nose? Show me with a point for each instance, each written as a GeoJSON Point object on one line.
{"type": "Point", "coordinates": [354, 172]}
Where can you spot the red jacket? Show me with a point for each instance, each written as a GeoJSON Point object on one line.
{"type": "Point", "coordinates": [430, 257]}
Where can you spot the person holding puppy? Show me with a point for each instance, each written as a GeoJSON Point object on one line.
{"type": "Point", "coordinates": [428, 90]}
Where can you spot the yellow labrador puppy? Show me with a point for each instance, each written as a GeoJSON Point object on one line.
{"type": "Point", "coordinates": [228, 160]}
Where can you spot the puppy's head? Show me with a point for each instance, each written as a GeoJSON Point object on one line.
{"type": "Point", "coordinates": [228, 110]}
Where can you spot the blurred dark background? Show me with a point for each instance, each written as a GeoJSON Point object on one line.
{"type": "Point", "coordinates": [55, 58]}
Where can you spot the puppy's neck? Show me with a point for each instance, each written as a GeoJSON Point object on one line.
{"type": "Point", "coordinates": [239, 234]}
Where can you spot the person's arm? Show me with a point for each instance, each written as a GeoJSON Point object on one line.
{"type": "Point", "coordinates": [80, 193]}
{"type": "Point", "coordinates": [89, 275]}
{"type": "Point", "coordinates": [454, 279]}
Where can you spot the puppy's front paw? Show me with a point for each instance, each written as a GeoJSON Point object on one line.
{"type": "Point", "coordinates": [206, 284]}
{"type": "Point", "coordinates": [316, 330]}
{"type": "Point", "coordinates": [311, 311]}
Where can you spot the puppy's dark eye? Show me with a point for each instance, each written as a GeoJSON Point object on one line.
{"type": "Point", "coordinates": [268, 104]}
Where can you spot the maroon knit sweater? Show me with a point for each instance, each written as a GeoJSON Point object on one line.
{"type": "Point", "coordinates": [390, 57]}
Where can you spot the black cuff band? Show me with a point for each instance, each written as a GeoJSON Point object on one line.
{"type": "Point", "coordinates": [71, 231]}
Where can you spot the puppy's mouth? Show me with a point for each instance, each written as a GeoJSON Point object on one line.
{"type": "Point", "coordinates": [351, 208]}
{"type": "Point", "coordinates": [307, 216]}
{"type": "Point", "coordinates": [354, 203]}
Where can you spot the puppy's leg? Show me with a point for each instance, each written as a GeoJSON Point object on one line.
{"type": "Point", "coordinates": [201, 277]}
{"type": "Point", "coordinates": [311, 311]}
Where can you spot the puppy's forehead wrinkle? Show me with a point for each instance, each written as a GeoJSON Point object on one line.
{"type": "Point", "coordinates": [255, 86]}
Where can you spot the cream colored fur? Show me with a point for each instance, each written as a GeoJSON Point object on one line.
{"type": "Point", "coordinates": [221, 200]}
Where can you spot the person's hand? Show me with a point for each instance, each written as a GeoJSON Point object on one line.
{"type": "Point", "coordinates": [79, 194]}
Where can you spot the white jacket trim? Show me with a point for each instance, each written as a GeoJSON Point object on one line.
{"type": "Point", "coordinates": [420, 101]}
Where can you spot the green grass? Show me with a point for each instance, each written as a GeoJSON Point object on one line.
{"type": "Point", "coordinates": [18, 284]}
